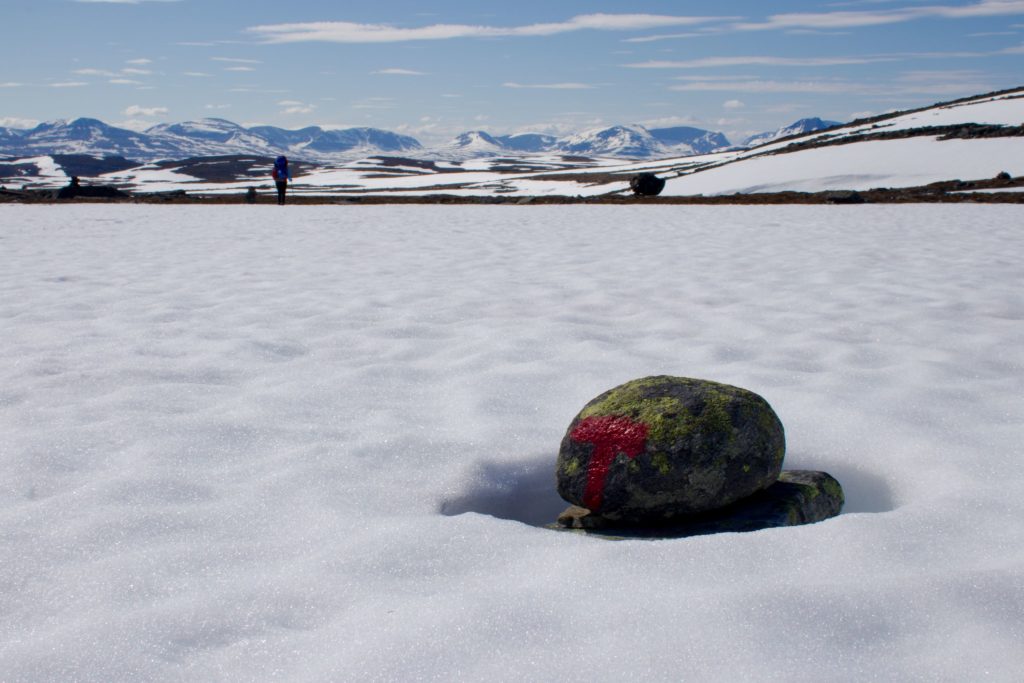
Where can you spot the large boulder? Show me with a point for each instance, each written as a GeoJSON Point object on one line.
{"type": "Point", "coordinates": [646, 185]}
{"type": "Point", "coordinates": [660, 447]}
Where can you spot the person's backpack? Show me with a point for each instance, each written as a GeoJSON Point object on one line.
{"type": "Point", "coordinates": [280, 171]}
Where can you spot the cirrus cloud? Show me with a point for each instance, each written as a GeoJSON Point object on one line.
{"type": "Point", "coordinates": [398, 72]}
{"type": "Point", "coordinates": [707, 62]}
{"type": "Point", "coordinates": [858, 19]}
{"type": "Point", "coordinates": [549, 86]}
{"type": "Point", "coordinates": [351, 32]}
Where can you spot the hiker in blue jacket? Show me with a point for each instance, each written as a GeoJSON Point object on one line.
{"type": "Point", "coordinates": [281, 174]}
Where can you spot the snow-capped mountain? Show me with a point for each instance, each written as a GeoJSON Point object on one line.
{"type": "Point", "coordinates": [219, 137]}
{"type": "Point", "coordinates": [528, 142]}
{"type": "Point", "coordinates": [798, 128]}
{"type": "Point", "coordinates": [474, 143]}
{"type": "Point", "coordinates": [87, 136]}
{"type": "Point", "coordinates": [9, 136]}
{"type": "Point", "coordinates": [684, 139]}
{"type": "Point", "coordinates": [206, 137]}
{"type": "Point", "coordinates": [616, 141]}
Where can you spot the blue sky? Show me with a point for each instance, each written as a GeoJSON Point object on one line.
{"type": "Point", "coordinates": [434, 68]}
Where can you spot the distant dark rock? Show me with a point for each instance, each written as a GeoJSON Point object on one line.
{"type": "Point", "coordinates": [660, 447]}
{"type": "Point", "coordinates": [1004, 176]}
{"type": "Point", "coordinates": [75, 190]}
{"type": "Point", "coordinates": [646, 185]}
{"type": "Point", "coordinates": [844, 197]}
{"type": "Point", "coordinates": [797, 497]}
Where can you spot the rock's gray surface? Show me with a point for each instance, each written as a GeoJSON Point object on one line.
{"type": "Point", "coordinates": [798, 497]}
{"type": "Point", "coordinates": [660, 447]}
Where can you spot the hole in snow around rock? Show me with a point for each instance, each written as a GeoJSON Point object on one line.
{"type": "Point", "coordinates": [520, 491]}
{"type": "Point", "coordinates": [864, 491]}
{"type": "Point", "coordinates": [525, 492]}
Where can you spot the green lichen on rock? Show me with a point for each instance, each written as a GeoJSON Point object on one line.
{"type": "Point", "coordinates": [708, 444]}
{"type": "Point", "coordinates": [661, 463]}
{"type": "Point", "coordinates": [834, 490]}
{"type": "Point", "coordinates": [666, 417]}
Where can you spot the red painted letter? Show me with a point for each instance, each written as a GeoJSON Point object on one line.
{"type": "Point", "coordinates": [610, 436]}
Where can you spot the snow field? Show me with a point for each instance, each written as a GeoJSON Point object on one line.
{"type": "Point", "coordinates": [314, 443]}
{"type": "Point", "coordinates": [905, 162]}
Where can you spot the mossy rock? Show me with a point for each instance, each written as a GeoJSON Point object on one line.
{"type": "Point", "coordinates": [798, 497]}
{"type": "Point", "coordinates": [660, 447]}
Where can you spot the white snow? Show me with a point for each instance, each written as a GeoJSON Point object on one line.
{"type": "Point", "coordinates": [859, 166]}
{"type": "Point", "coordinates": [313, 443]}
{"type": "Point", "coordinates": [1005, 110]}
{"type": "Point", "coordinates": [50, 173]}
{"type": "Point", "coordinates": [998, 190]}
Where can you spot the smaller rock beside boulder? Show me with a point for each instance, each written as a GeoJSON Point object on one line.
{"type": "Point", "coordinates": [646, 185]}
{"type": "Point", "coordinates": [798, 497]}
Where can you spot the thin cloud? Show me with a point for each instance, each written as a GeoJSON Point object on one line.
{"type": "Point", "coordinates": [549, 86]}
{"type": "Point", "coordinates": [664, 36]}
{"type": "Point", "coordinates": [767, 86]}
{"type": "Point", "coordinates": [241, 69]}
{"type": "Point", "coordinates": [956, 87]}
{"type": "Point", "coordinates": [197, 74]}
{"type": "Point", "coordinates": [733, 104]}
{"type": "Point", "coordinates": [94, 72]}
{"type": "Point", "coordinates": [706, 62]}
{"type": "Point", "coordinates": [858, 19]}
{"type": "Point", "coordinates": [350, 32]}
{"type": "Point", "coordinates": [140, 62]}
{"type": "Point", "coordinates": [124, 81]}
{"type": "Point", "coordinates": [235, 60]}
{"type": "Point", "coordinates": [296, 107]}
{"type": "Point", "coordinates": [15, 122]}
{"type": "Point", "coordinates": [123, 2]}
{"type": "Point", "coordinates": [69, 84]}
{"type": "Point", "coordinates": [136, 110]}
{"type": "Point", "coordinates": [398, 72]}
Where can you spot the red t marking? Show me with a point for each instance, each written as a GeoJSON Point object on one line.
{"type": "Point", "coordinates": [610, 436]}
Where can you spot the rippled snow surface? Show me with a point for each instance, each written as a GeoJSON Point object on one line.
{"type": "Point", "coordinates": [317, 443]}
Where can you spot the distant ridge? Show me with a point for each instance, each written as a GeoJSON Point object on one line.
{"type": "Point", "coordinates": [220, 137]}
{"type": "Point", "coordinates": [798, 128]}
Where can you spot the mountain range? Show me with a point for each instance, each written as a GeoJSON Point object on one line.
{"type": "Point", "coordinates": [800, 127]}
{"type": "Point", "coordinates": [218, 137]}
